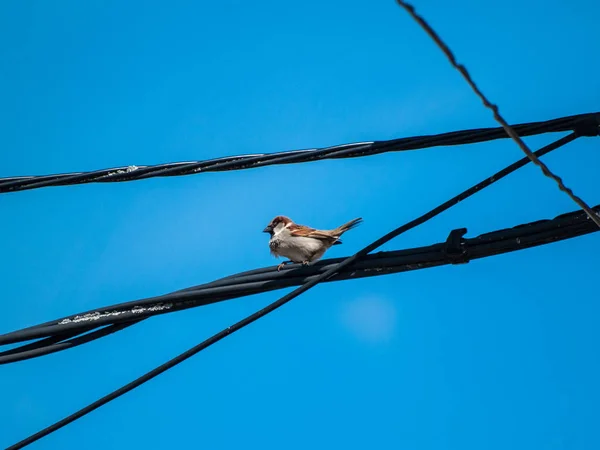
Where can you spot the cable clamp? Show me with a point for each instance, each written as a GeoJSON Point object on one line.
{"type": "Point", "coordinates": [455, 247]}
{"type": "Point", "coordinates": [589, 126]}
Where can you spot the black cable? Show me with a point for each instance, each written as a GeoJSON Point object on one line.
{"type": "Point", "coordinates": [218, 290]}
{"type": "Point", "coordinates": [455, 250]}
{"type": "Point", "coordinates": [584, 124]}
{"type": "Point", "coordinates": [47, 347]}
{"type": "Point", "coordinates": [55, 338]}
{"type": "Point", "coordinates": [275, 305]}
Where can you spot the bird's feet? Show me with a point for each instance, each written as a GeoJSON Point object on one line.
{"type": "Point", "coordinates": [280, 266]}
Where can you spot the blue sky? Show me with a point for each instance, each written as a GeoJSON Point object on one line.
{"type": "Point", "coordinates": [499, 353]}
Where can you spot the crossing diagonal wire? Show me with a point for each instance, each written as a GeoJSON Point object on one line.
{"type": "Point", "coordinates": [494, 108]}
{"type": "Point", "coordinates": [336, 268]}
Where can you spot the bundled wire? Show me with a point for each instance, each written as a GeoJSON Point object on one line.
{"type": "Point", "coordinates": [455, 250]}
{"type": "Point", "coordinates": [583, 124]}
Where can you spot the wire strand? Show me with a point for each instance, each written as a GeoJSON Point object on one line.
{"type": "Point", "coordinates": [584, 124]}
{"type": "Point", "coordinates": [494, 108]}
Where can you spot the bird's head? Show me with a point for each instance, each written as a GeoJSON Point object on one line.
{"type": "Point", "coordinates": [277, 224]}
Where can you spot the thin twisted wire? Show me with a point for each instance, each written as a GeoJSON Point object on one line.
{"type": "Point", "coordinates": [494, 108]}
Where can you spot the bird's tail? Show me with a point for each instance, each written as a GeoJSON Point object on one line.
{"type": "Point", "coordinates": [347, 226]}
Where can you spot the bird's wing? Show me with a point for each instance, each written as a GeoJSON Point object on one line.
{"type": "Point", "coordinates": [304, 231]}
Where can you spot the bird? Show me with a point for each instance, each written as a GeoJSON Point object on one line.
{"type": "Point", "coordinates": [302, 244]}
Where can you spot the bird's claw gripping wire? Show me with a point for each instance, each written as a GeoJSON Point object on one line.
{"type": "Point", "coordinates": [282, 265]}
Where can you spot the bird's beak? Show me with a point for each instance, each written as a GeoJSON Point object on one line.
{"type": "Point", "coordinates": [268, 229]}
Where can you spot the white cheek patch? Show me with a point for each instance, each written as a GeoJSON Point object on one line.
{"type": "Point", "coordinates": [279, 228]}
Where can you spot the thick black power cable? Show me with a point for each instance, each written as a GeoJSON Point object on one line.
{"type": "Point", "coordinates": [579, 122]}
{"type": "Point", "coordinates": [275, 305]}
{"type": "Point", "coordinates": [59, 343]}
{"type": "Point", "coordinates": [456, 250]}
{"type": "Point", "coordinates": [149, 307]}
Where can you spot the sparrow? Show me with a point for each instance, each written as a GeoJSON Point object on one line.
{"type": "Point", "coordinates": [302, 244]}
